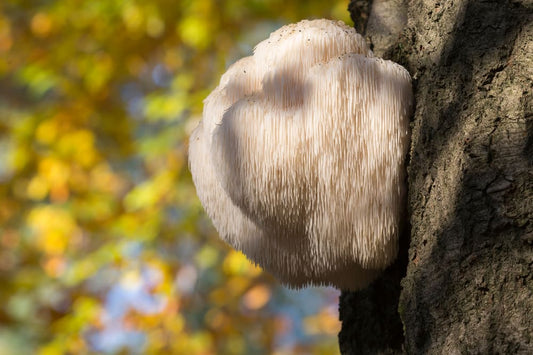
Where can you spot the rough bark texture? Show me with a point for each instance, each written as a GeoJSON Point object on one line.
{"type": "Point", "coordinates": [468, 286]}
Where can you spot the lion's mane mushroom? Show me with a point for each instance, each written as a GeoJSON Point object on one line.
{"type": "Point", "coordinates": [298, 159]}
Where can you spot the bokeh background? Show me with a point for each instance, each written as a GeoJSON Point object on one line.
{"type": "Point", "coordinates": [104, 246]}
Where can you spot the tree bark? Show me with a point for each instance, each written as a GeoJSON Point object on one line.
{"type": "Point", "coordinates": [463, 282]}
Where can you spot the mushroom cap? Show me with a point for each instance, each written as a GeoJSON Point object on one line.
{"type": "Point", "coordinates": [299, 156]}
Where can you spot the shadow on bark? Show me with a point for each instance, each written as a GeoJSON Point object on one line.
{"type": "Point", "coordinates": [454, 294]}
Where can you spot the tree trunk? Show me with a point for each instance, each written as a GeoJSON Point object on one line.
{"type": "Point", "coordinates": [464, 280]}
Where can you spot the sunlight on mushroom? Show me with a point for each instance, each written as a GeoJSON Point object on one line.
{"type": "Point", "coordinates": [299, 157]}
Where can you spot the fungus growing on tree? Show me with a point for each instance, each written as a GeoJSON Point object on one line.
{"type": "Point", "coordinates": [298, 159]}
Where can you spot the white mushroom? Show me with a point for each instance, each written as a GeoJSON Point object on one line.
{"type": "Point", "coordinates": [299, 157]}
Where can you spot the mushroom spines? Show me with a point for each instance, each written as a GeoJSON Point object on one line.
{"type": "Point", "coordinates": [310, 42]}
{"type": "Point", "coordinates": [301, 166]}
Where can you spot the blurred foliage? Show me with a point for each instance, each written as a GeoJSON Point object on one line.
{"type": "Point", "coordinates": [104, 247]}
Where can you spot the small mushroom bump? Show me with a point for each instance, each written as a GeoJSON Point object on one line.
{"type": "Point", "coordinates": [299, 163]}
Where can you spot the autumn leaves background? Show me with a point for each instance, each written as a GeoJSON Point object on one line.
{"type": "Point", "coordinates": [104, 246]}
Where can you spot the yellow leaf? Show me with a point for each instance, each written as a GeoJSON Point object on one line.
{"type": "Point", "coordinates": [53, 228]}
{"type": "Point", "coordinates": [55, 171]}
{"type": "Point", "coordinates": [53, 348]}
{"type": "Point", "coordinates": [133, 18]}
{"type": "Point", "coordinates": [53, 242]}
{"type": "Point", "coordinates": [79, 146]}
{"type": "Point", "coordinates": [236, 263]}
{"type": "Point", "coordinates": [339, 12]}
{"type": "Point", "coordinates": [46, 132]}
{"type": "Point", "coordinates": [194, 31]}
{"type": "Point", "coordinates": [200, 342]}
{"type": "Point", "coordinates": [165, 107]}
{"type": "Point", "coordinates": [150, 192]}
{"type": "Point", "coordinates": [37, 188]}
